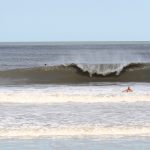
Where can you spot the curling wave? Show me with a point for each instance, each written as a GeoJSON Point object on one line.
{"type": "Point", "coordinates": [78, 73]}
{"type": "Point", "coordinates": [101, 69]}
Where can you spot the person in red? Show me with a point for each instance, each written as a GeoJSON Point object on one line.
{"type": "Point", "coordinates": [128, 90]}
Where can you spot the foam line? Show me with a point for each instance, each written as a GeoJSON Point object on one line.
{"type": "Point", "coordinates": [35, 132]}
{"type": "Point", "coordinates": [37, 97]}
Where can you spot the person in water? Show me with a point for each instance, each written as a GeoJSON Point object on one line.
{"type": "Point", "coordinates": [45, 67]}
{"type": "Point", "coordinates": [128, 90]}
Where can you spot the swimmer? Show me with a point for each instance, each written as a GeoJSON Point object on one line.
{"type": "Point", "coordinates": [45, 67]}
{"type": "Point", "coordinates": [128, 90]}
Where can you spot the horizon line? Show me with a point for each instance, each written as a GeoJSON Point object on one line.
{"type": "Point", "coordinates": [71, 41]}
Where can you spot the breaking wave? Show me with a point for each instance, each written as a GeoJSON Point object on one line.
{"type": "Point", "coordinates": [101, 69]}
{"type": "Point", "coordinates": [78, 73]}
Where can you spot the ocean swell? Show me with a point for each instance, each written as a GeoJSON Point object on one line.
{"type": "Point", "coordinates": [78, 73]}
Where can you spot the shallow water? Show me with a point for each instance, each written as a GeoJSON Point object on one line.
{"type": "Point", "coordinates": [75, 143]}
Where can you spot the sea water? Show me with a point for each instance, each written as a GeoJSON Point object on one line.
{"type": "Point", "coordinates": [59, 106]}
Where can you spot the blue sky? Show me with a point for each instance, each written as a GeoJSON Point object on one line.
{"type": "Point", "coordinates": [74, 20]}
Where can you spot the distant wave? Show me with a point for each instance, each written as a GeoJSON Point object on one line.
{"type": "Point", "coordinates": [78, 73]}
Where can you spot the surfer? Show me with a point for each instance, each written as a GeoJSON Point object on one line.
{"type": "Point", "coordinates": [45, 68]}
{"type": "Point", "coordinates": [128, 90]}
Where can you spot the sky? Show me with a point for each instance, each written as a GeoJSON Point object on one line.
{"type": "Point", "coordinates": [74, 20]}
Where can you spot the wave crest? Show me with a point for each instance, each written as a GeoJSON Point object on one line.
{"type": "Point", "coordinates": [101, 69]}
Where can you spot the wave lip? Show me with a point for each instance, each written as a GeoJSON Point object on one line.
{"type": "Point", "coordinates": [73, 131]}
{"type": "Point", "coordinates": [101, 69]}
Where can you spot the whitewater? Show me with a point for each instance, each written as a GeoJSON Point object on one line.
{"type": "Point", "coordinates": [51, 94]}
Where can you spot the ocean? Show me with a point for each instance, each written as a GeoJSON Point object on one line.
{"type": "Point", "coordinates": [69, 95]}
